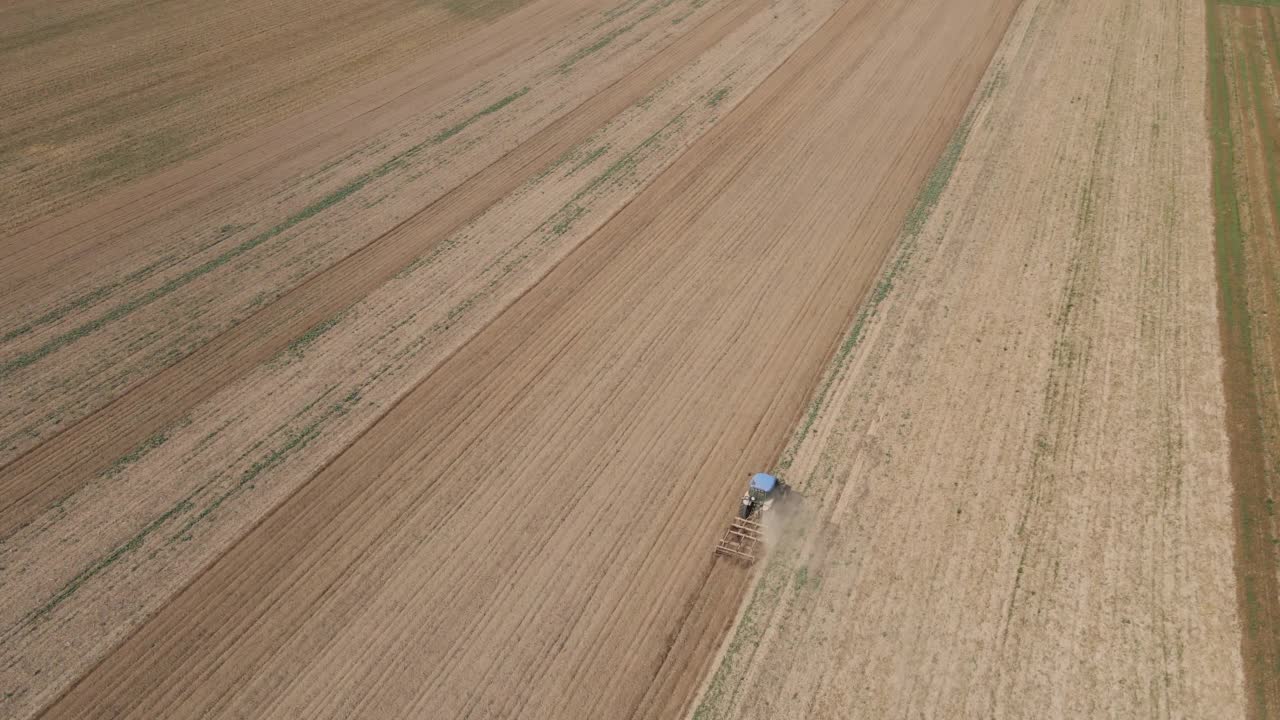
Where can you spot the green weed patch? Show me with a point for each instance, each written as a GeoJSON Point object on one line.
{"type": "Point", "coordinates": [1241, 99]}
{"type": "Point", "coordinates": [584, 52]}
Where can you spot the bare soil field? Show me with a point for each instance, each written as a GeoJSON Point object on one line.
{"type": "Point", "coordinates": [98, 92]}
{"type": "Point", "coordinates": [430, 398]}
{"type": "Point", "coordinates": [1245, 117]}
{"type": "Point", "coordinates": [1018, 499]}
{"type": "Point", "coordinates": [106, 296]}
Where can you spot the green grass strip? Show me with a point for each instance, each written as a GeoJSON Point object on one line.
{"type": "Point", "coordinates": [1226, 206]}
{"type": "Point", "coordinates": [294, 442]}
{"type": "Point", "coordinates": [105, 562]}
{"type": "Point", "coordinates": [1233, 270]}
{"type": "Point", "coordinates": [145, 448]}
{"type": "Point", "coordinates": [80, 302]}
{"type": "Point", "coordinates": [297, 347]}
{"type": "Point", "coordinates": [581, 53]}
{"type": "Point", "coordinates": [1247, 3]}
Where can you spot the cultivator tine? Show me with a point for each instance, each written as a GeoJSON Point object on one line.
{"type": "Point", "coordinates": [740, 540]}
{"type": "Point", "coordinates": [736, 554]}
{"type": "Point", "coordinates": [744, 536]}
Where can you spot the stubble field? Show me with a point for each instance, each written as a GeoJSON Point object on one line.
{"type": "Point", "coordinates": [1019, 501]}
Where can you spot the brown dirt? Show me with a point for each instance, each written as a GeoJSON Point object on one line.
{"type": "Point", "coordinates": [1016, 472]}
{"type": "Point", "coordinates": [99, 92]}
{"type": "Point", "coordinates": [103, 305]}
{"type": "Point", "coordinates": [1245, 115]}
{"type": "Point", "coordinates": [444, 501]}
{"type": "Point", "coordinates": [228, 458]}
{"type": "Point", "coordinates": [57, 468]}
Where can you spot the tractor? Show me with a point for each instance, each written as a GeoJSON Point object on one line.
{"type": "Point", "coordinates": [741, 540]}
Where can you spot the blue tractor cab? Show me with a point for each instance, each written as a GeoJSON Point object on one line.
{"type": "Point", "coordinates": [763, 482]}
{"type": "Point", "coordinates": [761, 492]}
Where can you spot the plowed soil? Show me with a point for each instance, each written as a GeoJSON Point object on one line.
{"type": "Point", "coordinates": [101, 92]}
{"type": "Point", "coordinates": [430, 399]}
{"type": "Point", "coordinates": [1016, 478]}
